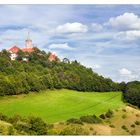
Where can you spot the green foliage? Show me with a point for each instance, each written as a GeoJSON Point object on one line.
{"type": "Point", "coordinates": [137, 122]}
{"type": "Point", "coordinates": [74, 121]}
{"type": "Point", "coordinates": [109, 113]}
{"type": "Point", "coordinates": [102, 116]}
{"type": "Point", "coordinates": [111, 125]}
{"type": "Point", "coordinates": [37, 126]}
{"type": "Point", "coordinates": [90, 119]}
{"type": "Point", "coordinates": [17, 77]}
{"type": "Point", "coordinates": [73, 130]}
{"type": "Point", "coordinates": [29, 126]}
{"type": "Point", "coordinates": [124, 116]}
{"type": "Point", "coordinates": [131, 93]}
{"type": "Point", "coordinates": [124, 127]}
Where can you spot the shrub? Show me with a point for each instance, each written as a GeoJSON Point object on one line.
{"type": "Point", "coordinates": [137, 115]}
{"type": "Point", "coordinates": [73, 130]}
{"type": "Point", "coordinates": [124, 110]}
{"type": "Point", "coordinates": [111, 125]}
{"type": "Point", "coordinates": [132, 125]}
{"type": "Point", "coordinates": [90, 119]}
{"type": "Point", "coordinates": [15, 119]}
{"type": "Point", "coordinates": [3, 117]}
{"type": "Point", "coordinates": [91, 128]}
{"type": "Point", "coordinates": [124, 116]}
{"type": "Point", "coordinates": [11, 130]}
{"type": "Point", "coordinates": [109, 113]}
{"type": "Point", "coordinates": [37, 126]}
{"type": "Point", "coordinates": [74, 121]}
{"type": "Point", "coordinates": [124, 127]}
{"type": "Point", "coordinates": [102, 116]}
{"type": "Point", "coordinates": [137, 122]}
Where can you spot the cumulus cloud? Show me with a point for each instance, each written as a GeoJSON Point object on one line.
{"type": "Point", "coordinates": [127, 21]}
{"type": "Point", "coordinates": [75, 27]}
{"type": "Point", "coordinates": [127, 75]}
{"type": "Point", "coordinates": [125, 71]}
{"type": "Point", "coordinates": [64, 46]}
{"type": "Point", "coordinates": [128, 35]}
{"type": "Point", "coordinates": [97, 27]}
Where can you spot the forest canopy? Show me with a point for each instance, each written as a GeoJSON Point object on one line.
{"type": "Point", "coordinates": [17, 77]}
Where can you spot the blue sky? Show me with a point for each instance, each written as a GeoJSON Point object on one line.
{"type": "Point", "coordinates": [103, 37]}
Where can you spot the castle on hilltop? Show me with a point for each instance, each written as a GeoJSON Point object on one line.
{"type": "Point", "coordinates": [28, 49]}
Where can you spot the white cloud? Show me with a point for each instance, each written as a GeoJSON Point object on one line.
{"type": "Point", "coordinates": [127, 21]}
{"type": "Point", "coordinates": [64, 46]}
{"type": "Point", "coordinates": [75, 27]}
{"type": "Point", "coordinates": [127, 75]}
{"type": "Point", "coordinates": [97, 27]}
{"type": "Point", "coordinates": [125, 71]}
{"type": "Point", "coordinates": [128, 35]}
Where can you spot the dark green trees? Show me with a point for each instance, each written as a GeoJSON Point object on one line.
{"type": "Point", "coordinates": [17, 77]}
{"type": "Point", "coordinates": [131, 93]}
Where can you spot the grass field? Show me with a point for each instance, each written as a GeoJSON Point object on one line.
{"type": "Point", "coordinates": [60, 105]}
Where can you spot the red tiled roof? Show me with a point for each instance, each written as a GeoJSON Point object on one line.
{"type": "Point", "coordinates": [14, 49]}
{"type": "Point", "coordinates": [29, 50]}
{"type": "Point", "coordinates": [52, 57]}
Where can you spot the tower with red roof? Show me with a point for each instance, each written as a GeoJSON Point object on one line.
{"type": "Point", "coordinates": [28, 48]}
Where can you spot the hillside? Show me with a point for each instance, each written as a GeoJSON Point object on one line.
{"type": "Point", "coordinates": [18, 77]}
{"type": "Point", "coordinates": [125, 121]}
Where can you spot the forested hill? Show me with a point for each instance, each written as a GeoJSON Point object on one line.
{"type": "Point", "coordinates": [17, 77]}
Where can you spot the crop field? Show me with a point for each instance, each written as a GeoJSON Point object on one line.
{"type": "Point", "coordinates": [60, 105]}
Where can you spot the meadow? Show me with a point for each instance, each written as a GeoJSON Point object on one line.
{"type": "Point", "coordinates": [60, 105]}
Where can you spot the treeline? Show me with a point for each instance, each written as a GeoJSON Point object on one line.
{"type": "Point", "coordinates": [131, 92]}
{"type": "Point", "coordinates": [17, 77]}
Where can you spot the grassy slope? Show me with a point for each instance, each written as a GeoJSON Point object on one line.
{"type": "Point", "coordinates": [117, 121]}
{"type": "Point", "coordinates": [60, 105]}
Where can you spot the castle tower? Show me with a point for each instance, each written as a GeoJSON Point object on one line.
{"type": "Point", "coordinates": [28, 42]}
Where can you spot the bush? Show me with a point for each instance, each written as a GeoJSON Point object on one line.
{"type": "Point", "coordinates": [132, 125]}
{"type": "Point", "coordinates": [11, 130]}
{"type": "Point", "coordinates": [124, 127]}
{"type": "Point", "coordinates": [73, 130]}
{"type": "Point", "coordinates": [124, 116]}
{"type": "Point", "coordinates": [15, 119]}
{"type": "Point", "coordinates": [124, 110]}
{"type": "Point", "coordinates": [90, 119]}
{"type": "Point", "coordinates": [102, 116]}
{"type": "Point", "coordinates": [37, 126]}
{"type": "Point", "coordinates": [74, 121]}
{"type": "Point", "coordinates": [109, 113]}
{"type": "Point", "coordinates": [91, 128]}
{"type": "Point", "coordinates": [111, 125]}
{"type": "Point", "coordinates": [137, 122]}
{"type": "Point", "coordinates": [3, 117]}
{"type": "Point", "coordinates": [137, 115]}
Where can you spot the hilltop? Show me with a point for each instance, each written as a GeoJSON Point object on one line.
{"type": "Point", "coordinates": [39, 73]}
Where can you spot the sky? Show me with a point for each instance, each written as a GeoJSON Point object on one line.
{"type": "Point", "coordinates": [105, 38]}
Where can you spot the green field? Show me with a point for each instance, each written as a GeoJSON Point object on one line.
{"type": "Point", "coordinates": [60, 105]}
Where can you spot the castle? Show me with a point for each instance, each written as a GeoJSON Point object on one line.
{"type": "Point", "coordinates": [28, 48]}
